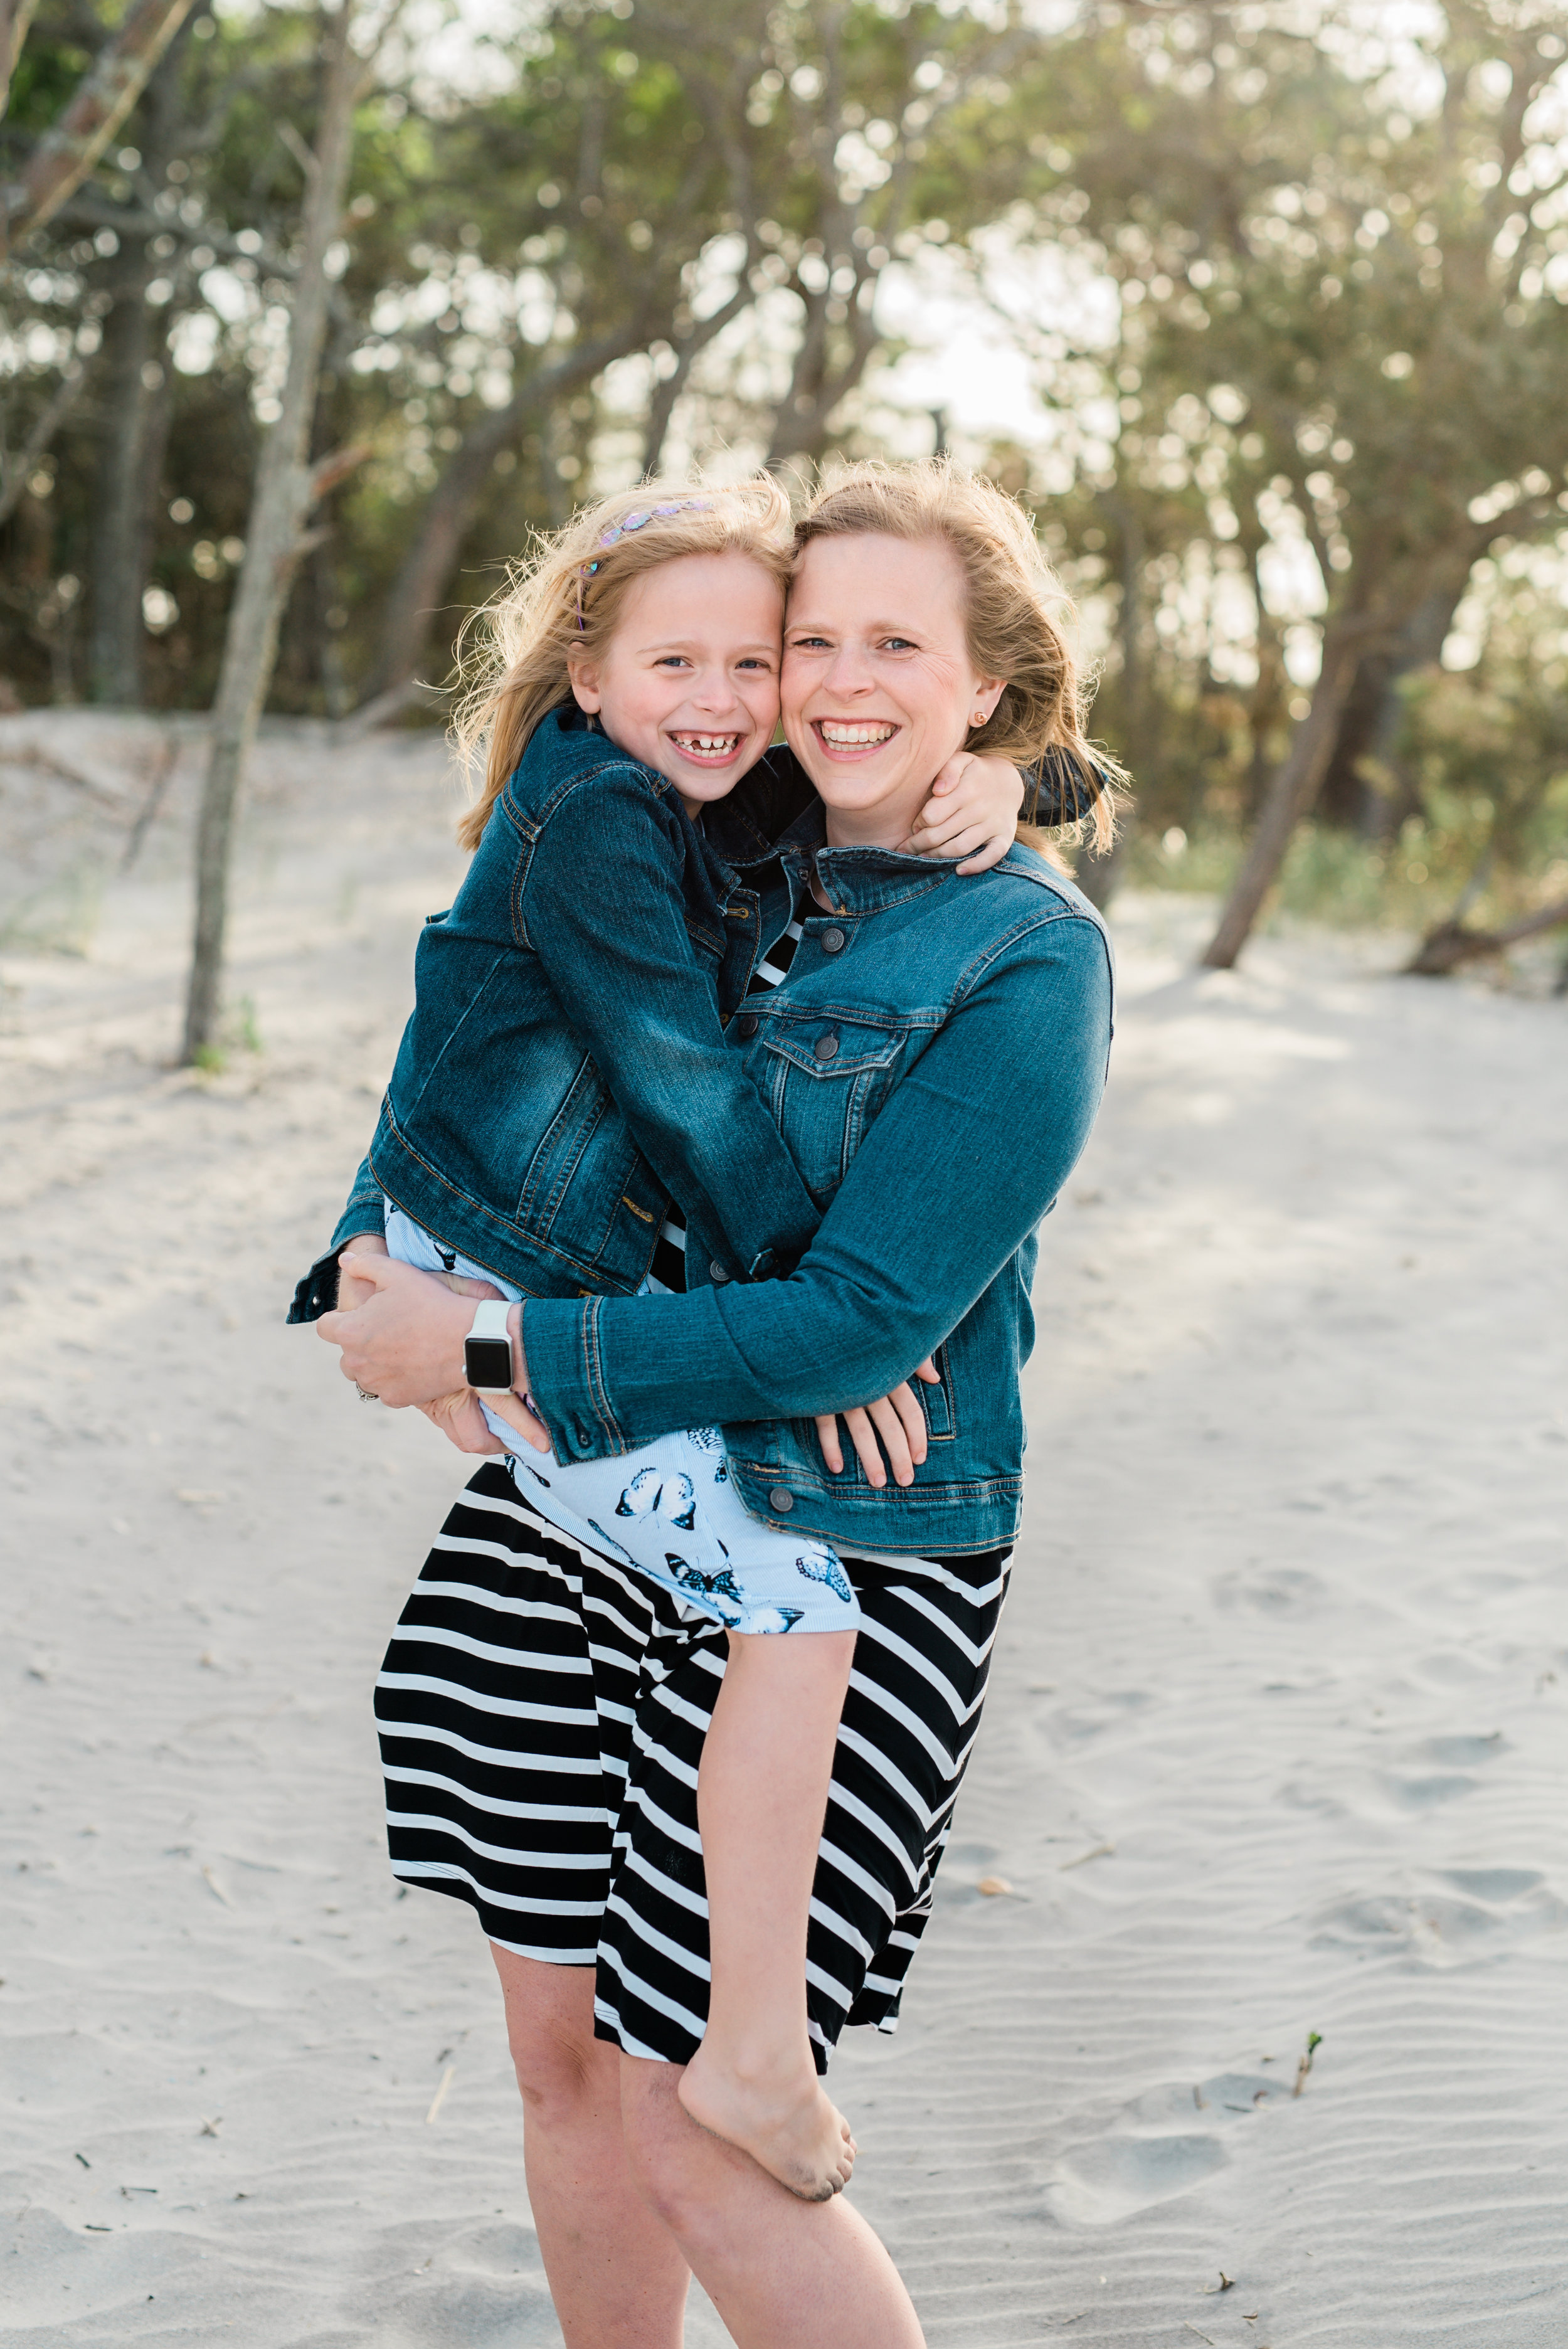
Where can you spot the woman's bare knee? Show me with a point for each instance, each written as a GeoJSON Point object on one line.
{"type": "Point", "coordinates": [685, 2176]}
{"type": "Point", "coordinates": [562, 2071]}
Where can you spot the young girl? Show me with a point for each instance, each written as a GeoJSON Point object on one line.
{"type": "Point", "coordinates": [598, 948]}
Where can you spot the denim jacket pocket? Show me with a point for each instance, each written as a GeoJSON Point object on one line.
{"type": "Point", "coordinates": [825, 1077]}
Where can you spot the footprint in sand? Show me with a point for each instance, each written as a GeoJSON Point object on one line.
{"type": "Point", "coordinates": [1096, 2184]}
{"type": "Point", "coordinates": [1149, 2157]}
{"type": "Point", "coordinates": [1273, 1590]}
{"type": "Point", "coordinates": [1423, 1789]}
{"type": "Point", "coordinates": [1435, 1929]}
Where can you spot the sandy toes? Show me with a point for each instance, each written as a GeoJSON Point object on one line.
{"type": "Point", "coordinates": [791, 2127]}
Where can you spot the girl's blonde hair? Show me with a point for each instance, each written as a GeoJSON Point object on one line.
{"type": "Point", "coordinates": [1015, 610]}
{"type": "Point", "coordinates": [566, 595]}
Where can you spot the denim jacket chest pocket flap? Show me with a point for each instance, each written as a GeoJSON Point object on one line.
{"type": "Point", "coordinates": [826, 1075]}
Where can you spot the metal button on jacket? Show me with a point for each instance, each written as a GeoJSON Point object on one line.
{"type": "Point", "coordinates": [780, 1500]}
{"type": "Point", "coordinates": [827, 1048]}
{"type": "Point", "coordinates": [833, 942]}
{"type": "Point", "coordinates": [747, 1025]}
{"type": "Point", "coordinates": [717, 1274]}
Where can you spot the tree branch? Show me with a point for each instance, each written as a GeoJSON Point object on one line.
{"type": "Point", "coordinates": [14, 475]}
{"type": "Point", "coordinates": [67, 151]}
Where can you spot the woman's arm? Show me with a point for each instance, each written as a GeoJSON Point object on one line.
{"type": "Point", "coordinates": [954, 1175]}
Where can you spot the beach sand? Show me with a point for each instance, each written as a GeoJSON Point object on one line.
{"type": "Point", "coordinates": [1276, 1737]}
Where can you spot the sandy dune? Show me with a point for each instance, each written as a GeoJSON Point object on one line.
{"type": "Point", "coordinates": [1276, 1743]}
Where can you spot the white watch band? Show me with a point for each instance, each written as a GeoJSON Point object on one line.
{"type": "Point", "coordinates": [490, 1318]}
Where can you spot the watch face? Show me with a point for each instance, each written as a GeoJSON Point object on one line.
{"type": "Point", "coordinates": [488, 1362]}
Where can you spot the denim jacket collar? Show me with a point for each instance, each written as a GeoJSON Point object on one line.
{"type": "Point", "coordinates": [862, 880]}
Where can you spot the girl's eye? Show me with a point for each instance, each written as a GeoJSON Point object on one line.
{"type": "Point", "coordinates": [756, 660]}
{"type": "Point", "coordinates": [672, 660]}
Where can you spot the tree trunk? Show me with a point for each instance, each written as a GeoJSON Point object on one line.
{"type": "Point", "coordinates": [119, 516]}
{"type": "Point", "coordinates": [1369, 722]}
{"type": "Point", "coordinates": [1290, 796]}
{"type": "Point", "coordinates": [135, 402]}
{"type": "Point", "coordinates": [71, 148]}
{"type": "Point", "coordinates": [286, 488]}
{"type": "Point", "coordinates": [1450, 944]}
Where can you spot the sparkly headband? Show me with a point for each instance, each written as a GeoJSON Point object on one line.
{"type": "Point", "coordinates": [634, 521]}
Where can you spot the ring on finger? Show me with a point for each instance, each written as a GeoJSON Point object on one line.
{"type": "Point", "coordinates": [364, 1394]}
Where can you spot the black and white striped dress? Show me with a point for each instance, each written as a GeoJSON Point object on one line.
{"type": "Point", "coordinates": [541, 1712]}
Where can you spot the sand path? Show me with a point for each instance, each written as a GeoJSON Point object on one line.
{"type": "Point", "coordinates": [1276, 1740]}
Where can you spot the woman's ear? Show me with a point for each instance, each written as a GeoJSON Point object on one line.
{"type": "Point", "coordinates": [988, 692]}
{"type": "Point", "coordinates": [584, 677]}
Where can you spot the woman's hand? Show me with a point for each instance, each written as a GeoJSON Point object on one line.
{"type": "Point", "coordinates": [899, 1422]}
{"type": "Point", "coordinates": [405, 1343]}
{"type": "Point", "coordinates": [973, 812]}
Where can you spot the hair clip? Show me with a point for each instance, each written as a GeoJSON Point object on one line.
{"type": "Point", "coordinates": [633, 521]}
{"type": "Point", "coordinates": [586, 570]}
{"type": "Point", "coordinates": [649, 514]}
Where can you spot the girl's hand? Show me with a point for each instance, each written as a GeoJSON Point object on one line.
{"type": "Point", "coordinates": [352, 1290]}
{"type": "Point", "coordinates": [405, 1343]}
{"type": "Point", "coordinates": [517, 1410]}
{"type": "Point", "coordinates": [973, 812]}
{"type": "Point", "coordinates": [462, 1422]}
{"type": "Point", "coordinates": [899, 1422]}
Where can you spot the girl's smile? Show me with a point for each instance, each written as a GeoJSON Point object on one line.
{"type": "Point", "coordinates": [689, 681]}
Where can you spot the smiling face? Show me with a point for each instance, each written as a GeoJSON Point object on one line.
{"type": "Point", "coordinates": [689, 681]}
{"type": "Point", "coordinates": [879, 686]}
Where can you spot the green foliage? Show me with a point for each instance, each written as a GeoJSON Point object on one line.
{"type": "Point", "coordinates": [1298, 323]}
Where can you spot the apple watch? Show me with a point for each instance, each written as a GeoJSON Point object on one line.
{"type": "Point", "coordinates": [487, 1348]}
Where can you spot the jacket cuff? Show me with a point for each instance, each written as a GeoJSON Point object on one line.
{"type": "Point", "coordinates": [561, 1345]}
{"type": "Point", "coordinates": [366, 1210]}
{"type": "Point", "coordinates": [317, 1293]}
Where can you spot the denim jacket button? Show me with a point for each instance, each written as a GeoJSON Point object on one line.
{"type": "Point", "coordinates": [780, 1500]}
{"type": "Point", "coordinates": [833, 942]}
{"type": "Point", "coordinates": [748, 1024]}
{"type": "Point", "coordinates": [717, 1274]}
{"type": "Point", "coordinates": [827, 1048]}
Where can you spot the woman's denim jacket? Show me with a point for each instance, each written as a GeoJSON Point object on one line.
{"type": "Point", "coordinates": [934, 1065]}
{"type": "Point", "coordinates": [564, 1072]}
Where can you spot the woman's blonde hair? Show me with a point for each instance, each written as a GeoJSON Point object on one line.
{"type": "Point", "coordinates": [1016, 611]}
{"type": "Point", "coordinates": [566, 595]}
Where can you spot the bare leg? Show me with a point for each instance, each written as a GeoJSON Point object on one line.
{"type": "Point", "coordinates": [782, 2273]}
{"type": "Point", "coordinates": [762, 1792]}
{"type": "Point", "coordinates": [616, 2277]}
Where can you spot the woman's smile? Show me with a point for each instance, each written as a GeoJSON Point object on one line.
{"type": "Point", "coordinates": [848, 739]}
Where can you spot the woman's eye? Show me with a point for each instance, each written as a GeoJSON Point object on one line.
{"type": "Point", "coordinates": [897, 645]}
{"type": "Point", "coordinates": [807, 644]}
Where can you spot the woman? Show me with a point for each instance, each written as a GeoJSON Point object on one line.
{"type": "Point", "coordinates": [934, 1061]}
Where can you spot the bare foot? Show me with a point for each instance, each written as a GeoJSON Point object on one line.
{"type": "Point", "coordinates": [788, 2125]}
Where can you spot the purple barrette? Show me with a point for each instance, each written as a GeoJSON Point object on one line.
{"type": "Point", "coordinates": [634, 521]}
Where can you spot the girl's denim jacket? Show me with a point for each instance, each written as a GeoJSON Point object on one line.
{"type": "Point", "coordinates": [564, 1072]}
